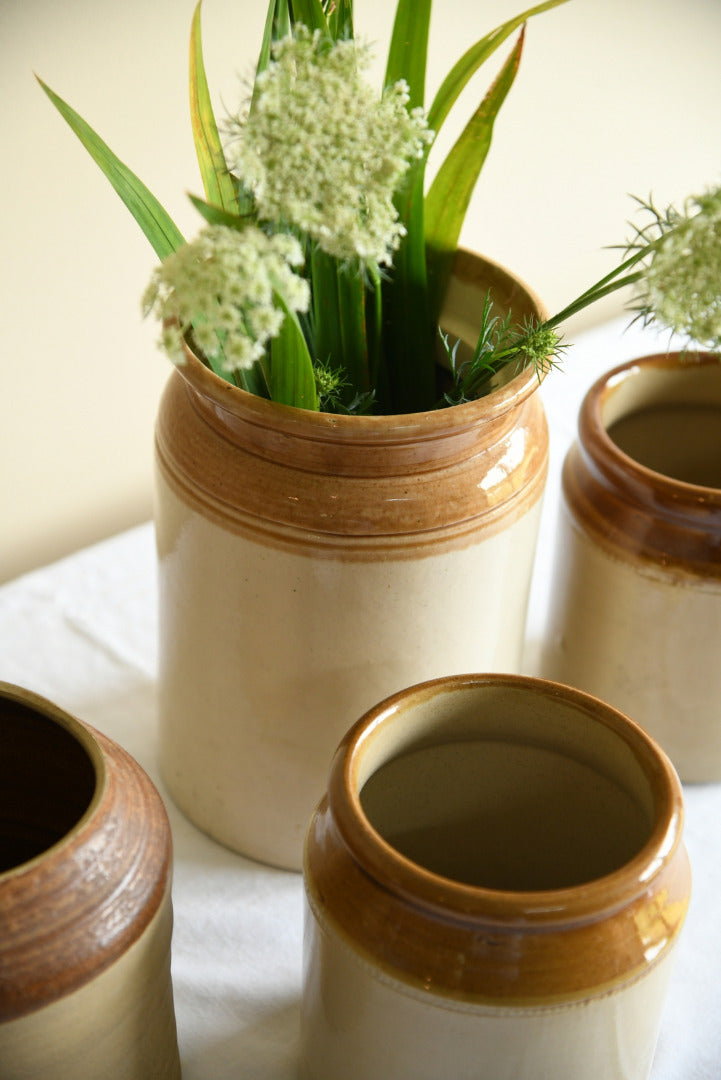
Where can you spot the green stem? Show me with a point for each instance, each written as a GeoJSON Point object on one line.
{"type": "Point", "coordinates": [353, 328]}
{"type": "Point", "coordinates": [374, 332]}
{"type": "Point", "coordinates": [599, 290]}
{"type": "Point", "coordinates": [610, 283]}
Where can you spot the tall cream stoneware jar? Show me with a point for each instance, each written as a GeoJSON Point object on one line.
{"type": "Point", "coordinates": [495, 883]}
{"type": "Point", "coordinates": [85, 907]}
{"type": "Point", "coordinates": [310, 564]}
{"type": "Point", "coordinates": [635, 615]}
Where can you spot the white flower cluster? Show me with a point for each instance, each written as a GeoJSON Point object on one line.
{"type": "Point", "coordinates": [321, 151]}
{"type": "Point", "coordinates": [681, 285]}
{"type": "Point", "coordinates": [221, 286]}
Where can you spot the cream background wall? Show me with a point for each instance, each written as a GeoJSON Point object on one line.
{"type": "Point", "coordinates": [614, 96]}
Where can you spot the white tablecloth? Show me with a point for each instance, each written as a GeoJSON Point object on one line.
{"type": "Point", "coordinates": [82, 632]}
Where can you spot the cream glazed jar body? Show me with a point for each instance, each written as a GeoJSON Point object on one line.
{"type": "Point", "coordinates": [635, 613]}
{"type": "Point", "coordinates": [495, 883]}
{"type": "Point", "coordinates": [312, 563]}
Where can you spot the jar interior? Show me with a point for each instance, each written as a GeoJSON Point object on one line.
{"type": "Point", "coordinates": [506, 815]}
{"type": "Point", "coordinates": [459, 318]}
{"type": "Point", "coordinates": [681, 441]}
{"type": "Point", "coordinates": [47, 782]}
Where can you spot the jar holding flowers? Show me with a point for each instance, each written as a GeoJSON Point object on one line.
{"type": "Point", "coordinates": [338, 513]}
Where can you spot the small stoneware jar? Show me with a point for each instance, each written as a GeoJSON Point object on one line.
{"type": "Point", "coordinates": [635, 613]}
{"type": "Point", "coordinates": [85, 912]}
{"type": "Point", "coordinates": [495, 882]}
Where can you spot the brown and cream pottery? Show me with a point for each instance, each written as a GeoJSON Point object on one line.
{"type": "Point", "coordinates": [85, 908]}
{"type": "Point", "coordinates": [635, 613]}
{"type": "Point", "coordinates": [310, 564]}
{"type": "Point", "coordinates": [495, 883]}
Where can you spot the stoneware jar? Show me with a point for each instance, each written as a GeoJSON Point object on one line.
{"type": "Point", "coordinates": [85, 912]}
{"type": "Point", "coordinates": [310, 564]}
{"type": "Point", "coordinates": [635, 614]}
{"type": "Point", "coordinates": [495, 883]}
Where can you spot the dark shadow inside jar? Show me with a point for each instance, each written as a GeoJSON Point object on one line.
{"type": "Point", "coordinates": [504, 815]}
{"type": "Point", "coordinates": [47, 782]}
{"type": "Point", "coordinates": [679, 440]}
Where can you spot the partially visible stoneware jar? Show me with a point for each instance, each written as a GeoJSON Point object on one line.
{"type": "Point", "coordinates": [495, 883]}
{"type": "Point", "coordinates": [85, 910]}
{"type": "Point", "coordinates": [635, 614]}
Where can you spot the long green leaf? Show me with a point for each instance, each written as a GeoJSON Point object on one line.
{"type": "Point", "coordinates": [450, 193]}
{"type": "Point", "coordinates": [311, 14]}
{"type": "Point", "coordinates": [340, 332]}
{"type": "Point", "coordinates": [328, 340]}
{"type": "Point", "coordinates": [253, 379]}
{"type": "Point", "coordinates": [292, 379]}
{"type": "Point", "coordinates": [157, 225]}
{"type": "Point", "coordinates": [219, 187]}
{"type": "Point", "coordinates": [277, 24]}
{"type": "Point", "coordinates": [471, 60]}
{"type": "Point", "coordinates": [374, 333]}
{"type": "Point", "coordinates": [354, 331]}
{"type": "Point", "coordinates": [409, 48]}
{"type": "Point", "coordinates": [340, 20]}
{"type": "Point", "coordinates": [408, 329]}
{"type": "Point", "coordinates": [408, 356]}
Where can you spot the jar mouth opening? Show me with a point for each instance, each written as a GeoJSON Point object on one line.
{"type": "Point", "coordinates": [508, 395]}
{"type": "Point", "coordinates": [52, 775]}
{"type": "Point", "coordinates": [505, 797]}
{"type": "Point", "coordinates": [471, 277]}
{"type": "Point", "coordinates": [658, 418]}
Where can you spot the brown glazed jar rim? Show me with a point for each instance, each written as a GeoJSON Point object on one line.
{"type": "Point", "coordinates": [81, 734]}
{"type": "Point", "coordinates": [77, 906]}
{"type": "Point", "coordinates": [674, 500]}
{"type": "Point", "coordinates": [391, 427]}
{"type": "Point", "coordinates": [483, 907]}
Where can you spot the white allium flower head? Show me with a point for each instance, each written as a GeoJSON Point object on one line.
{"type": "Point", "coordinates": [681, 285]}
{"type": "Point", "coordinates": [222, 285]}
{"type": "Point", "coordinates": [323, 152]}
